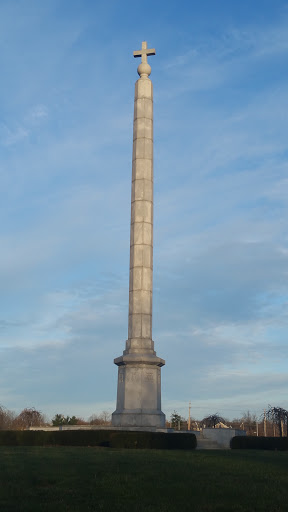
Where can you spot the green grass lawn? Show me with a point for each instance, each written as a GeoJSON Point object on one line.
{"type": "Point", "coordinates": [94, 479]}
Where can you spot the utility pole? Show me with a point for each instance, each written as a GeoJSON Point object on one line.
{"type": "Point", "coordinates": [189, 417]}
{"type": "Point", "coordinates": [265, 426]}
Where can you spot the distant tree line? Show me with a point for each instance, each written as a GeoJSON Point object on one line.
{"type": "Point", "coordinates": [272, 423]}
{"type": "Point", "coordinates": [30, 417]}
{"type": "Point", "coordinates": [102, 419]}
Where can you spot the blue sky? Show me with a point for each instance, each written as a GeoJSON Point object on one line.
{"type": "Point", "coordinates": [220, 306]}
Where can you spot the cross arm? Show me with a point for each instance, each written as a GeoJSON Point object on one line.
{"type": "Point", "coordinates": [139, 53]}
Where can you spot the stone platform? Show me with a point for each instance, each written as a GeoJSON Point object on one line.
{"type": "Point", "coordinates": [102, 427]}
{"type": "Point", "coordinates": [216, 438]}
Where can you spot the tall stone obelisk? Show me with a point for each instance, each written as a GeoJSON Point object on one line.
{"type": "Point", "coordinates": [139, 369]}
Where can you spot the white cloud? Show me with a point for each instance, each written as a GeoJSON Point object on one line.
{"type": "Point", "coordinates": [10, 136]}
{"type": "Point", "coordinates": [37, 113]}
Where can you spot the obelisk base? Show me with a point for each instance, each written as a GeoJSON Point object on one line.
{"type": "Point", "coordinates": [139, 391]}
{"type": "Point", "coordinates": [133, 418]}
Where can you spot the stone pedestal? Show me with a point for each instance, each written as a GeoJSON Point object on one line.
{"type": "Point", "coordinates": [139, 392]}
{"type": "Point", "coordinates": [139, 369]}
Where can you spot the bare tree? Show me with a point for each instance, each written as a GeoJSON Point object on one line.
{"type": "Point", "coordinates": [248, 422]}
{"type": "Point", "coordinates": [279, 417]}
{"type": "Point", "coordinates": [100, 419]}
{"type": "Point", "coordinates": [105, 417]}
{"type": "Point", "coordinates": [29, 417]}
{"type": "Point", "coordinates": [94, 419]}
{"type": "Point", "coordinates": [212, 420]}
{"type": "Point", "coordinates": [6, 418]}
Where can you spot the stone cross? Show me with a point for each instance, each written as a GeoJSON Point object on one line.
{"type": "Point", "coordinates": [139, 368]}
{"type": "Point", "coordinates": [144, 69]}
{"type": "Point", "coordinates": [144, 52]}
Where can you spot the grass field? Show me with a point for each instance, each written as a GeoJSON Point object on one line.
{"type": "Point", "coordinates": [94, 479]}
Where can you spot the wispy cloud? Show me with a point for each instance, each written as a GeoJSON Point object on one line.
{"type": "Point", "coordinates": [37, 113]}
{"type": "Point", "coordinates": [12, 135]}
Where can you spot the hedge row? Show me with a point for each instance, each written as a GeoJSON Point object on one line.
{"type": "Point", "coordinates": [153, 440]}
{"type": "Point", "coordinates": [259, 443]}
{"type": "Point", "coordinates": [56, 437]}
{"type": "Point", "coordinates": [108, 438]}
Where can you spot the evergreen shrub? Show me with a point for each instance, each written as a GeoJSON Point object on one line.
{"type": "Point", "coordinates": [259, 443]}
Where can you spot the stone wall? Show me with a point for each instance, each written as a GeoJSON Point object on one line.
{"type": "Point", "coordinates": [222, 436]}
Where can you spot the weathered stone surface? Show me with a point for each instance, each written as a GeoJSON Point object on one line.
{"type": "Point", "coordinates": [143, 128]}
{"type": "Point", "coordinates": [144, 89]}
{"type": "Point", "coordinates": [220, 436]}
{"type": "Point", "coordinates": [143, 108]}
{"type": "Point", "coordinates": [139, 373]}
{"type": "Point", "coordinates": [140, 254]}
{"type": "Point", "coordinates": [142, 169]}
{"type": "Point", "coordinates": [142, 190]}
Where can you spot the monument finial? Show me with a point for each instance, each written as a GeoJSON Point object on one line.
{"type": "Point", "coordinates": [144, 69]}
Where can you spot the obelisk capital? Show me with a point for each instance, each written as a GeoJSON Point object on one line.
{"type": "Point", "coordinates": [144, 69]}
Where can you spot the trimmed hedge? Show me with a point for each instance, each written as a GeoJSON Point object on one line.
{"type": "Point", "coordinates": [107, 438]}
{"type": "Point", "coordinates": [259, 443]}
{"type": "Point", "coordinates": [56, 437]}
{"type": "Point", "coordinates": [153, 440]}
